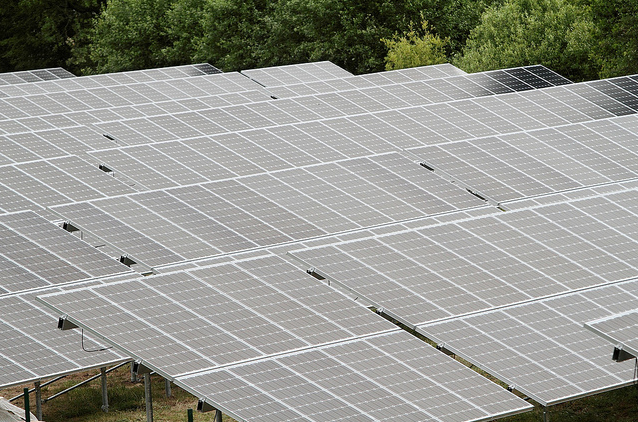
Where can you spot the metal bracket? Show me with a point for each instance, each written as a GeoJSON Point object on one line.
{"type": "Point", "coordinates": [620, 355]}
{"type": "Point", "coordinates": [204, 407]}
{"type": "Point", "coordinates": [140, 369]}
{"type": "Point", "coordinates": [64, 324]}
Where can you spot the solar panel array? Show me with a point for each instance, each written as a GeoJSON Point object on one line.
{"type": "Point", "coordinates": [30, 76]}
{"type": "Point", "coordinates": [445, 277]}
{"type": "Point", "coordinates": [265, 209]}
{"type": "Point", "coordinates": [207, 178]}
{"type": "Point", "coordinates": [265, 341]}
{"type": "Point", "coordinates": [496, 81]}
{"type": "Point", "coordinates": [296, 73]}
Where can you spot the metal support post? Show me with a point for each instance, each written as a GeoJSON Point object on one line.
{"type": "Point", "coordinates": [38, 401]}
{"type": "Point", "coordinates": [133, 374]}
{"type": "Point", "coordinates": [190, 415]}
{"type": "Point", "coordinates": [545, 414]}
{"type": "Point", "coordinates": [168, 388]}
{"type": "Point", "coordinates": [218, 415]}
{"type": "Point", "coordinates": [105, 394]}
{"type": "Point", "coordinates": [149, 397]}
{"type": "Point", "coordinates": [27, 410]}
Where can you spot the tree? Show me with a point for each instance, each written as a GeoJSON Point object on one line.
{"type": "Point", "coordinates": [554, 33]}
{"type": "Point", "coordinates": [616, 35]}
{"type": "Point", "coordinates": [454, 19]}
{"type": "Point", "coordinates": [413, 49]}
{"type": "Point", "coordinates": [246, 34]}
{"type": "Point", "coordinates": [141, 34]}
{"type": "Point", "coordinates": [128, 35]}
{"type": "Point", "coordinates": [233, 33]}
{"type": "Point", "coordinates": [39, 33]}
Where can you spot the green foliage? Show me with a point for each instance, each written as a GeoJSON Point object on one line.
{"type": "Point", "coordinates": [555, 33]}
{"type": "Point", "coordinates": [129, 34]}
{"type": "Point", "coordinates": [233, 33]}
{"type": "Point", "coordinates": [247, 34]}
{"type": "Point", "coordinates": [616, 32]}
{"type": "Point", "coordinates": [415, 49]}
{"type": "Point", "coordinates": [40, 33]}
{"type": "Point", "coordinates": [184, 28]}
{"type": "Point", "coordinates": [581, 39]}
{"type": "Point", "coordinates": [454, 19]}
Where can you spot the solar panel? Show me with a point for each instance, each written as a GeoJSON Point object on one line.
{"type": "Point", "coordinates": [292, 74]}
{"type": "Point", "coordinates": [36, 253]}
{"type": "Point", "coordinates": [457, 82]}
{"type": "Point", "coordinates": [539, 162]}
{"type": "Point", "coordinates": [32, 351]}
{"type": "Point", "coordinates": [349, 381]}
{"type": "Point", "coordinates": [251, 309]}
{"type": "Point", "coordinates": [541, 348]}
{"type": "Point", "coordinates": [619, 329]}
{"type": "Point", "coordinates": [221, 168]}
{"type": "Point", "coordinates": [284, 206]}
{"type": "Point", "coordinates": [441, 271]}
{"type": "Point", "coordinates": [31, 76]}
{"type": "Point", "coordinates": [302, 334]}
{"type": "Point", "coordinates": [138, 246]}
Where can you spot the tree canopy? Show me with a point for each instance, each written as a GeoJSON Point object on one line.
{"type": "Point", "coordinates": [554, 33]}
{"type": "Point", "coordinates": [582, 39]}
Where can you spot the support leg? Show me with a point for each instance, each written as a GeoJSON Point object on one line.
{"type": "Point", "coordinates": [149, 397]}
{"type": "Point", "coordinates": [133, 374]}
{"type": "Point", "coordinates": [27, 408]}
{"type": "Point", "coordinates": [105, 395]}
{"type": "Point", "coordinates": [168, 388]}
{"type": "Point", "coordinates": [38, 401]}
{"type": "Point", "coordinates": [218, 415]}
{"type": "Point", "coordinates": [545, 414]}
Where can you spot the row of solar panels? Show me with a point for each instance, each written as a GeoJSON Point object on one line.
{"type": "Point", "coordinates": [312, 200]}
{"type": "Point", "coordinates": [319, 396]}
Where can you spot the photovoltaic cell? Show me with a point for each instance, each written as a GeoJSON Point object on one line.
{"type": "Point", "coordinates": [341, 382]}
{"type": "Point", "coordinates": [246, 312]}
{"type": "Point", "coordinates": [131, 242]}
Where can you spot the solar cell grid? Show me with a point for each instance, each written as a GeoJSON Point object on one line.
{"type": "Point", "coordinates": [245, 316]}
{"type": "Point", "coordinates": [551, 357]}
{"type": "Point", "coordinates": [144, 176]}
{"type": "Point", "coordinates": [332, 383]}
{"type": "Point", "coordinates": [242, 295]}
{"type": "Point", "coordinates": [161, 230]}
{"type": "Point", "coordinates": [360, 135]}
{"type": "Point", "coordinates": [66, 247]}
{"type": "Point", "coordinates": [195, 222]}
{"type": "Point", "coordinates": [30, 188]}
{"type": "Point", "coordinates": [486, 262]}
{"type": "Point", "coordinates": [139, 246]}
{"type": "Point", "coordinates": [230, 216]}
{"type": "Point", "coordinates": [59, 180]}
